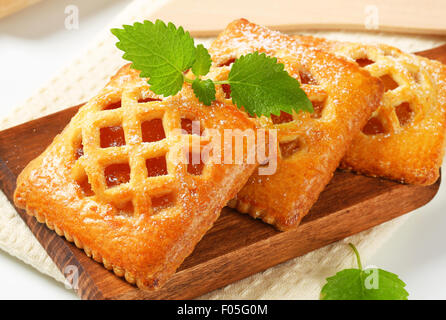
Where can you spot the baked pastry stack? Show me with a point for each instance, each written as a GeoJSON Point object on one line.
{"type": "Point", "coordinates": [121, 183]}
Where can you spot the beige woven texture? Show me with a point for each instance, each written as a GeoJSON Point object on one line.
{"type": "Point", "coordinates": [300, 278]}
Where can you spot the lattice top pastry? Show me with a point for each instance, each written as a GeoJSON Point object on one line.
{"type": "Point", "coordinates": [405, 138]}
{"type": "Point", "coordinates": [120, 183]}
{"type": "Point", "coordinates": [311, 145]}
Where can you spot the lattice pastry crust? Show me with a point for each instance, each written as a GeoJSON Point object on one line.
{"type": "Point", "coordinates": [404, 139]}
{"type": "Point", "coordinates": [311, 145]}
{"type": "Point", "coordinates": [116, 181]}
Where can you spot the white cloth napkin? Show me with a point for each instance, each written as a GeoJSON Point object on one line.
{"type": "Point", "coordinates": [300, 278]}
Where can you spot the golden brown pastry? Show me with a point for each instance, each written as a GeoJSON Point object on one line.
{"type": "Point", "coordinates": [311, 145]}
{"type": "Point", "coordinates": [404, 139]}
{"type": "Point", "coordinates": [116, 181]}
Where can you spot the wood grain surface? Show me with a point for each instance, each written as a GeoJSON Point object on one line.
{"type": "Point", "coordinates": [237, 246]}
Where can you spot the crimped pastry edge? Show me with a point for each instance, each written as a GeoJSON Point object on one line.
{"type": "Point", "coordinates": [257, 213]}
{"type": "Point", "coordinates": [117, 270]}
{"type": "Point", "coordinates": [429, 179]}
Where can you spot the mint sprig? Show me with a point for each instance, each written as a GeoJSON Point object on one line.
{"type": "Point", "coordinates": [364, 284]}
{"type": "Point", "coordinates": [163, 54]}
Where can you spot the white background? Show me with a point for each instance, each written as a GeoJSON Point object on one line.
{"type": "Point", "coordinates": [34, 45]}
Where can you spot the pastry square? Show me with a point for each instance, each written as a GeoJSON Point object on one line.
{"type": "Point", "coordinates": [310, 145]}
{"type": "Point", "coordinates": [404, 140]}
{"type": "Point", "coordinates": [117, 181]}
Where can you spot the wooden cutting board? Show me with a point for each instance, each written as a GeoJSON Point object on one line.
{"type": "Point", "coordinates": [207, 18]}
{"type": "Point", "coordinates": [237, 246]}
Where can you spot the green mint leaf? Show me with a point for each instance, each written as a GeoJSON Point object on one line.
{"type": "Point", "coordinates": [204, 90]}
{"type": "Point", "coordinates": [356, 284]}
{"type": "Point", "coordinates": [161, 52]}
{"type": "Point", "coordinates": [262, 87]}
{"type": "Point", "coordinates": [203, 61]}
{"type": "Point", "coordinates": [368, 284]}
{"type": "Point", "coordinates": [345, 285]}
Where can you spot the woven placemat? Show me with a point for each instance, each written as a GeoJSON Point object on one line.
{"type": "Point", "coordinates": [300, 278]}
